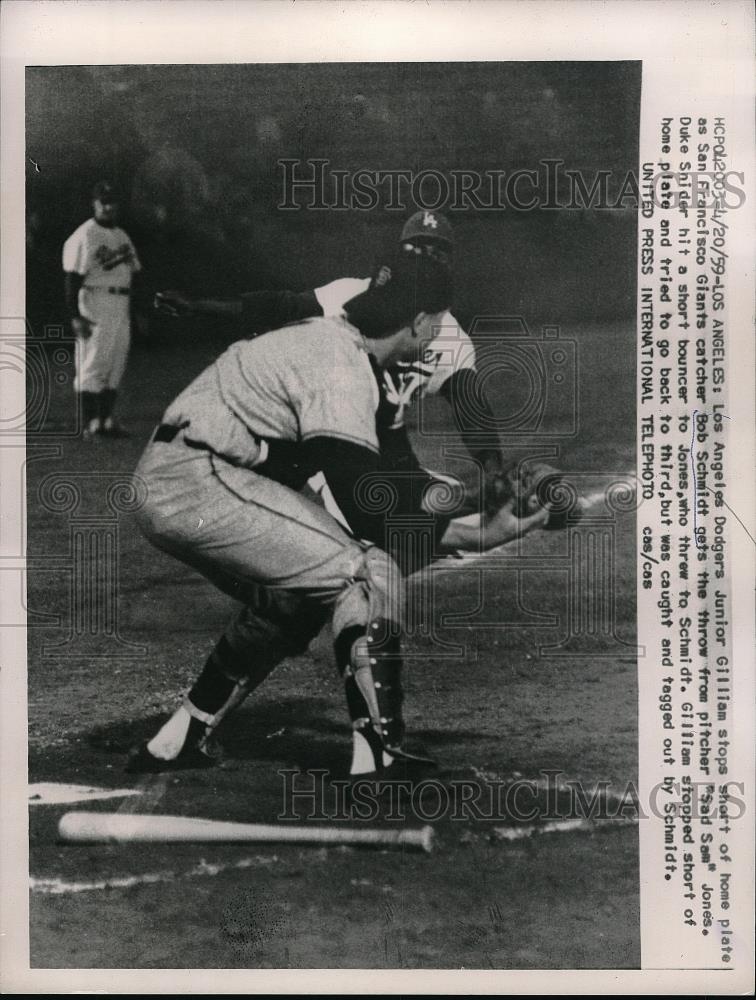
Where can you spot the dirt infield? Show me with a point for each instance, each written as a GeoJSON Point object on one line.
{"type": "Point", "coordinates": [497, 893]}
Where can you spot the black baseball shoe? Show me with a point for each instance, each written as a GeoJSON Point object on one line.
{"type": "Point", "coordinates": [141, 761]}
{"type": "Point", "coordinates": [196, 754]}
{"type": "Point", "coordinates": [404, 766]}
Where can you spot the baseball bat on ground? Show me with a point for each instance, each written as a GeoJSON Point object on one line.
{"type": "Point", "coordinates": [109, 828]}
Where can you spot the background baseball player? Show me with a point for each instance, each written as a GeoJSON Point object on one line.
{"type": "Point", "coordinates": [223, 474]}
{"type": "Point", "coordinates": [99, 261]}
{"type": "Point", "coordinates": [447, 365]}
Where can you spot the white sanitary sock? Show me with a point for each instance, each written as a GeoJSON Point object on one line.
{"type": "Point", "coordinates": [168, 743]}
{"type": "Point", "coordinates": [363, 761]}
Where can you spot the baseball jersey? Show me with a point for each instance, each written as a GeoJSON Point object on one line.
{"type": "Point", "coordinates": [103, 255]}
{"type": "Point", "coordinates": [292, 385]}
{"type": "Point", "coordinates": [450, 351]}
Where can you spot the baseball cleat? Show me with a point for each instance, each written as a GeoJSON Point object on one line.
{"type": "Point", "coordinates": [93, 430]}
{"type": "Point", "coordinates": [377, 760]}
{"type": "Point", "coordinates": [407, 767]}
{"type": "Point", "coordinates": [403, 766]}
{"type": "Point", "coordinates": [402, 756]}
{"type": "Point", "coordinates": [141, 761]}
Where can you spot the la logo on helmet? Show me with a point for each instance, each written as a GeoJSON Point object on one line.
{"type": "Point", "coordinates": [429, 219]}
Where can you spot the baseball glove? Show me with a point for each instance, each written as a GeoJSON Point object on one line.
{"type": "Point", "coordinates": [534, 485]}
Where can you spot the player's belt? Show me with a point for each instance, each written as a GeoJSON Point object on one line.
{"type": "Point", "coordinates": [110, 289]}
{"type": "Point", "coordinates": [166, 433]}
{"type": "Point", "coordinates": [279, 460]}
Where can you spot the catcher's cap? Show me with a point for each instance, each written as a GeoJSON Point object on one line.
{"type": "Point", "coordinates": [399, 290]}
{"type": "Point", "coordinates": [105, 192]}
{"type": "Point", "coordinates": [427, 226]}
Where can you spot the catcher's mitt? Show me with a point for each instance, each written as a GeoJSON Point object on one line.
{"type": "Point", "coordinates": [534, 485]}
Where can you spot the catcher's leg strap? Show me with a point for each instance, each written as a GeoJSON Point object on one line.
{"type": "Point", "coordinates": [185, 734]}
{"type": "Point", "coordinates": [236, 697]}
{"type": "Point", "coordinates": [189, 730]}
{"type": "Point", "coordinates": [212, 697]}
{"type": "Point", "coordinates": [371, 664]}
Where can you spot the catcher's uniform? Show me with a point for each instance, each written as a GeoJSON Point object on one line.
{"type": "Point", "coordinates": [450, 351]}
{"type": "Point", "coordinates": [223, 473]}
{"type": "Point", "coordinates": [106, 259]}
{"type": "Point", "coordinates": [217, 500]}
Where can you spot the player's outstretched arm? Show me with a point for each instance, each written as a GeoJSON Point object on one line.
{"type": "Point", "coordinates": [268, 310]}
{"type": "Point", "coordinates": [179, 304]}
{"type": "Point", "coordinates": [352, 473]}
{"type": "Point", "coordinates": [347, 465]}
{"type": "Point", "coordinates": [255, 312]}
{"type": "Point", "coordinates": [489, 531]}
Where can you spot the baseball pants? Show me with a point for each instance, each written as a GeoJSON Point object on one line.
{"type": "Point", "coordinates": [284, 557]}
{"type": "Point", "coordinates": [101, 358]}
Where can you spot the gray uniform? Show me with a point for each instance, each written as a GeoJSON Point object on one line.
{"type": "Point", "coordinates": [283, 556]}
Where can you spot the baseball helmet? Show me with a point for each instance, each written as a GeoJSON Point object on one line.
{"type": "Point", "coordinates": [427, 226]}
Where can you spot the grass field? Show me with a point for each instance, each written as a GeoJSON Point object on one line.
{"type": "Point", "coordinates": [502, 709]}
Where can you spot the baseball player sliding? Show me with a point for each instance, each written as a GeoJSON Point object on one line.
{"type": "Point", "coordinates": [99, 261]}
{"type": "Point", "coordinates": [447, 366]}
{"type": "Point", "coordinates": [224, 474]}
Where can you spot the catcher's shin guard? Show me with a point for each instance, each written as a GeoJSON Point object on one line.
{"type": "Point", "coordinates": [371, 665]}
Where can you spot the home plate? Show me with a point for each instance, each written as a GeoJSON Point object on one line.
{"type": "Point", "coordinates": [51, 793]}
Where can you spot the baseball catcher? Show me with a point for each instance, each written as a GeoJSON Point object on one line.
{"type": "Point", "coordinates": [446, 366]}
{"type": "Point", "coordinates": [225, 472]}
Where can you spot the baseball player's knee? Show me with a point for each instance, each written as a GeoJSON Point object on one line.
{"type": "Point", "coordinates": [274, 625]}
{"type": "Point", "coordinates": [151, 521]}
{"type": "Point", "coordinates": [374, 593]}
